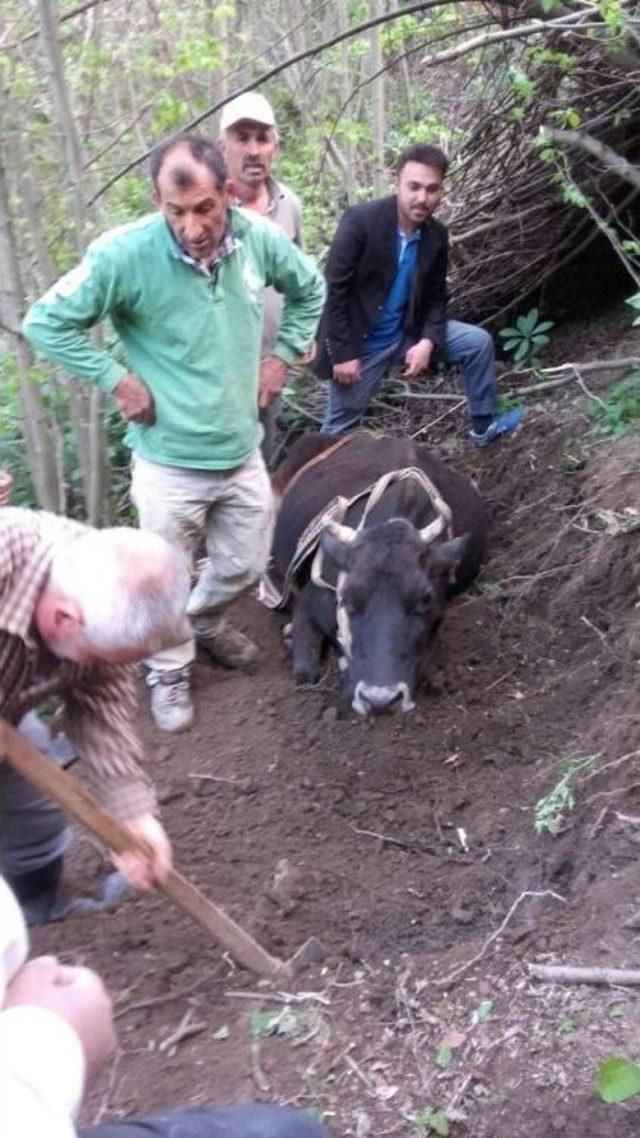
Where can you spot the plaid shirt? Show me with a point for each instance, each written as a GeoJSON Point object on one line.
{"type": "Point", "coordinates": [100, 699]}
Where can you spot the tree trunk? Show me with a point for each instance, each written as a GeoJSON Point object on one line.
{"type": "Point", "coordinates": [377, 101]}
{"type": "Point", "coordinates": [87, 406]}
{"type": "Point", "coordinates": [38, 436]}
{"type": "Point", "coordinates": [346, 86]}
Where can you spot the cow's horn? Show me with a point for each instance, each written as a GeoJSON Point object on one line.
{"type": "Point", "coordinates": [340, 532]}
{"type": "Point", "coordinates": [434, 529]}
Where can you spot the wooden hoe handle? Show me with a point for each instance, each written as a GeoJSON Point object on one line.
{"type": "Point", "coordinates": [81, 805]}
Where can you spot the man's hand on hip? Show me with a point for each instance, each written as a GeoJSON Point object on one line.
{"type": "Point", "coordinates": [417, 358]}
{"type": "Point", "coordinates": [273, 373]}
{"type": "Point", "coordinates": [347, 372]}
{"type": "Point", "coordinates": [135, 401]}
{"type": "Point", "coordinates": [141, 870]}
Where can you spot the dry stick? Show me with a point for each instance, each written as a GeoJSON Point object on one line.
{"type": "Point", "coordinates": [494, 936]}
{"type": "Point", "coordinates": [577, 974]}
{"type": "Point", "coordinates": [428, 426]}
{"type": "Point", "coordinates": [593, 365]}
{"type": "Point", "coordinates": [381, 837]}
{"type": "Point", "coordinates": [81, 805]}
{"type": "Point", "coordinates": [184, 1029]}
{"type": "Point", "coordinates": [281, 997]}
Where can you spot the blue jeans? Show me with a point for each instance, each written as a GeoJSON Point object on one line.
{"type": "Point", "coordinates": [248, 1120]}
{"type": "Point", "coordinates": [466, 345]}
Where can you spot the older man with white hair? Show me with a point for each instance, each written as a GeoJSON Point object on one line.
{"type": "Point", "coordinates": [250, 144]}
{"type": "Point", "coordinates": [78, 605]}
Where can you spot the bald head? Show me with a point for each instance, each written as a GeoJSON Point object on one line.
{"type": "Point", "coordinates": [190, 181]}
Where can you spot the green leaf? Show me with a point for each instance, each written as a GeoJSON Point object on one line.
{"type": "Point", "coordinates": [511, 344]}
{"type": "Point", "coordinates": [436, 1121]}
{"type": "Point", "coordinates": [483, 1010]}
{"type": "Point", "coordinates": [505, 332]}
{"type": "Point", "coordinates": [444, 1056]}
{"type": "Point", "coordinates": [539, 341]}
{"type": "Point", "coordinates": [572, 118]}
{"type": "Point", "coordinates": [618, 1079]}
{"type": "Point", "coordinates": [544, 326]}
{"type": "Point", "coordinates": [261, 1023]}
{"type": "Point", "coordinates": [528, 322]}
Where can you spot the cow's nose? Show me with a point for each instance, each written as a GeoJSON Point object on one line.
{"type": "Point", "coordinates": [369, 698]}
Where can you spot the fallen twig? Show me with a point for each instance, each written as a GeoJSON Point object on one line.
{"type": "Point", "coordinates": [282, 997]}
{"type": "Point", "coordinates": [579, 974]}
{"type": "Point", "coordinates": [259, 1077]}
{"type": "Point", "coordinates": [427, 427]}
{"type": "Point", "coordinates": [184, 1029]}
{"type": "Point", "coordinates": [381, 837]}
{"type": "Point", "coordinates": [575, 374]}
{"type": "Point", "coordinates": [444, 983]}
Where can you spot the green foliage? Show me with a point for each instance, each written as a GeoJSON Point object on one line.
{"type": "Point", "coordinates": [617, 1079]}
{"type": "Point", "coordinates": [550, 810]}
{"type": "Point", "coordinates": [619, 413]}
{"type": "Point", "coordinates": [612, 14]}
{"type": "Point", "coordinates": [541, 56]}
{"type": "Point", "coordinates": [527, 337]}
{"type": "Point", "coordinates": [263, 1023]}
{"type": "Point", "coordinates": [523, 85]}
{"type": "Point", "coordinates": [431, 1120]}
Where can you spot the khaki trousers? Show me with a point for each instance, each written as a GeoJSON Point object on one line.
{"type": "Point", "coordinates": [232, 510]}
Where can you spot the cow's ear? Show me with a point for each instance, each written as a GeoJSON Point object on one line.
{"type": "Point", "coordinates": [338, 551]}
{"type": "Point", "coordinates": [447, 555]}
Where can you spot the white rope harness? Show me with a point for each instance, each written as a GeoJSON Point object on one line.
{"type": "Point", "coordinates": [337, 510]}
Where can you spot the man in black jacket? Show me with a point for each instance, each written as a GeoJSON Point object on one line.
{"type": "Point", "coordinates": [387, 301]}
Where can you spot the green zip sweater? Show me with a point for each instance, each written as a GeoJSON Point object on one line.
{"type": "Point", "coordinates": [193, 338]}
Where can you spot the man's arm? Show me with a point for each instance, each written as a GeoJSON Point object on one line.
{"type": "Point", "coordinates": [298, 278]}
{"type": "Point", "coordinates": [435, 317]}
{"type": "Point", "coordinates": [345, 252]}
{"type": "Point", "coordinates": [101, 706]}
{"type": "Point", "coordinates": [58, 323]}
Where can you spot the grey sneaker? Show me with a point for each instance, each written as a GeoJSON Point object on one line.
{"type": "Point", "coordinates": [171, 706]}
{"type": "Point", "coordinates": [226, 645]}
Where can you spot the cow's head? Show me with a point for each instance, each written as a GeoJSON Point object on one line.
{"type": "Point", "coordinates": [391, 590]}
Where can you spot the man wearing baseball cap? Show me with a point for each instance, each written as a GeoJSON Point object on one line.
{"type": "Point", "coordinates": [249, 142]}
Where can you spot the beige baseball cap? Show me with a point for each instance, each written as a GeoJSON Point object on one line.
{"type": "Point", "coordinates": [252, 106]}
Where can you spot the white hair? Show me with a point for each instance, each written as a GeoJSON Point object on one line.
{"type": "Point", "coordinates": [130, 585]}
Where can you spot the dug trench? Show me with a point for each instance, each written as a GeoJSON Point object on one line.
{"type": "Point", "coordinates": [407, 843]}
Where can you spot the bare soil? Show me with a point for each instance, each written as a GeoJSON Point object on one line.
{"type": "Point", "coordinates": [407, 844]}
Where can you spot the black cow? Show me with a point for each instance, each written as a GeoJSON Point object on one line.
{"type": "Point", "coordinates": [399, 533]}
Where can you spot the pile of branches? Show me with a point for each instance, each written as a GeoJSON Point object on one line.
{"type": "Point", "coordinates": [547, 167]}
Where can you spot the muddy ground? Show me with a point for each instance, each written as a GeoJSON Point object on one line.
{"type": "Point", "coordinates": [408, 844]}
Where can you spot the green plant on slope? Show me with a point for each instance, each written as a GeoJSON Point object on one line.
{"type": "Point", "coordinates": [526, 338]}
{"type": "Point", "coordinates": [619, 413]}
{"type": "Point", "coordinates": [550, 810]}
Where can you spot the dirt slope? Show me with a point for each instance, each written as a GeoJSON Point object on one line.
{"type": "Point", "coordinates": [406, 843]}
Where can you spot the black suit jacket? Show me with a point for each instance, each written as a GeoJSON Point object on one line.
{"type": "Point", "coordinates": [360, 269]}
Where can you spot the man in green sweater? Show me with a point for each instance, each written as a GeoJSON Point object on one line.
{"type": "Point", "coordinates": [183, 289]}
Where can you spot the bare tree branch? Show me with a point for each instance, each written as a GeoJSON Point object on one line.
{"type": "Point", "coordinates": [608, 157]}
